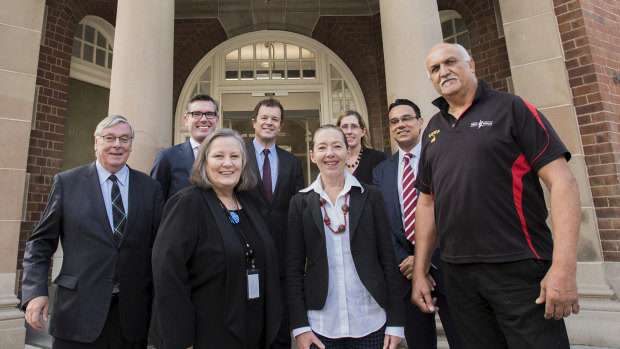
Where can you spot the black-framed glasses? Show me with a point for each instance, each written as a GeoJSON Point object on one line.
{"type": "Point", "coordinates": [199, 114]}
{"type": "Point", "coordinates": [404, 119]}
{"type": "Point", "coordinates": [112, 139]}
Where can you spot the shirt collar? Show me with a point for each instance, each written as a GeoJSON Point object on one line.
{"type": "Point", "coordinates": [415, 151]}
{"type": "Point", "coordinates": [193, 143]}
{"type": "Point", "coordinates": [443, 105]}
{"type": "Point", "coordinates": [104, 174]}
{"type": "Point", "coordinates": [259, 147]}
{"type": "Point", "coordinates": [349, 182]}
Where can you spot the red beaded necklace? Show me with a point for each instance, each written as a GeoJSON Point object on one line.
{"type": "Point", "coordinates": [345, 209]}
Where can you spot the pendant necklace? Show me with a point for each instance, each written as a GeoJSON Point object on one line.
{"type": "Point", "coordinates": [233, 216]}
{"type": "Point", "coordinates": [359, 157]}
{"type": "Point", "coordinates": [345, 210]}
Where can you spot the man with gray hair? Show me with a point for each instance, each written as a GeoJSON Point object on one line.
{"type": "Point", "coordinates": [106, 216]}
{"type": "Point", "coordinates": [508, 281]}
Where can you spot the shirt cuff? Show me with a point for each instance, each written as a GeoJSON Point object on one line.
{"type": "Point", "coordinates": [298, 331]}
{"type": "Point", "coordinates": [395, 331]}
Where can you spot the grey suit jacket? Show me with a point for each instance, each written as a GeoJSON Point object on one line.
{"type": "Point", "coordinates": [75, 214]}
{"type": "Point", "coordinates": [172, 167]}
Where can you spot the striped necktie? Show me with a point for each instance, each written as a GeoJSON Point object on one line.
{"type": "Point", "coordinates": [118, 211]}
{"type": "Point", "coordinates": [410, 198]}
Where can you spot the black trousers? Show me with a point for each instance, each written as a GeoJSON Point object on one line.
{"type": "Point", "coordinates": [493, 305]}
{"type": "Point", "coordinates": [111, 336]}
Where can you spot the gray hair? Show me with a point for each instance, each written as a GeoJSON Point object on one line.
{"type": "Point", "coordinates": [199, 177]}
{"type": "Point", "coordinates": [464, 54]}
{"type": "Point", "coordinates": [110, 121]}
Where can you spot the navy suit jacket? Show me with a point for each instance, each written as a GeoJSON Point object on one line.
{"type": "Point", "coordinates": [385, 177]}
{"type": "Point", "coordinates": [76, 215]}
{"type": "Point", "coordinates": [275, 214]}
{"type": "Point", "coordinates": [172, 167]}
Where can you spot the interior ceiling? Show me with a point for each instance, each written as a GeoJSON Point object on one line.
{"type": "Point", "coordinates": [299, 16]}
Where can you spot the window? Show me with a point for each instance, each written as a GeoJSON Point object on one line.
{"type": "Point", "coordinates": [454, 29]}
{"type": "Point", "coordinates": [91, 45]}
{"type": "Point", "coordinates": [341, 96]}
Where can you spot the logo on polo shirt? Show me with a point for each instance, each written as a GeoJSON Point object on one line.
{"type": "Point", "coordinates": [481, 123]}
{"type": "Point", "coordinates": [433, 135]}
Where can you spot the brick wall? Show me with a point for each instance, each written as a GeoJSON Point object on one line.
{"type": "Point", "coordinates": [590, 32]}
{"type": "Point", "coordinates": [356, 40]}
{"type": "Point", "coordinates": [487, 47]}
{"type": "Point", "coordinates": [193, 39]}
{"type": "Point", "coordinates": [47, 134]}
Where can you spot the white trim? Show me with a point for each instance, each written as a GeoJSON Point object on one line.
{"type": "Point", "coordinates": [219, 86]}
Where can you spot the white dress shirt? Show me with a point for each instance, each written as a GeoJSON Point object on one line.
{"type": "Point", "coordinates": [195, 147]}
{"type": "Point", "coordinates": [106, 189]}
{"type": "Point", "coordinates": [415, 159]}
{"type": "Point", "coordinates": [350, 310]}
{"type": "Point", "coordinates": [273, 161]}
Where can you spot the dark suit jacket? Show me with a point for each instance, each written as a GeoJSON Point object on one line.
{"type": "Point", "coordinates": [200, 274]}
{"type": "Point", "coordinates": [76, 214]}
{"type": "Point", "coordinates": [370, 159]}
{"type": "Point", "coordinates": [172, 167]}
{"type": "Point", "coordinates": [371, 247]}
{"type": "Point", "coordinates": [290, 180]}
{"type": "Point", "coordinates": [385, 177]}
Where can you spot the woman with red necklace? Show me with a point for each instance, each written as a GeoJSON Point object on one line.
{"type": "Point", "coordinates": [342, 274]}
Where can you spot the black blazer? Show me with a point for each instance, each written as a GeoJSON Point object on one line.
{"type": "Point", "coordinates": [371, 247]}
{"type": "Point", "coordinates": [275, 214]}
{"type": "Point", "coordinates": [385, 177]}
{"type": "Point", "coordinates": [200, 276]}
{"type": "Point", "coordinates": [370, 159]}
{"type": "Point", "coordinates": [172, 167]}
{"type": "Point", "coordinates": [76, 214]}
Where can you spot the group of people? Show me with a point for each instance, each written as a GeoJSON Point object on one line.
{"type": "Point", "coordinates": [234, 252]}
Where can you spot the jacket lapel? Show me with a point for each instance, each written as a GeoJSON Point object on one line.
{"type": "Point", "coordinates": [282, 171]}
{"type": "Point", "coordinates": [188, 157]}
{"type": "Point", "coordinates": [134, 201]}
{"type": "Point", "coordinates": [356, 205]}
{"type": "Point", "coordinates": [393, 184]}
{"type": "Point", "coordinates": [254, 164]}
{"type": "Point", "coordinates": [92, 187]}
{"type": "Point", "coordinates": [314, 205]}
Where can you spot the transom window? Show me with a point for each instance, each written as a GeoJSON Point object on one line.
{"type": "Point", "coordinates": [454, 29]}
{"type": "Point", "coordinates": [91, 45]}
{"type": "Point", "coordinates": [270, 61]}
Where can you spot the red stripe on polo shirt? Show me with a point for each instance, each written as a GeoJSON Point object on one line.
{"type": "Point", "coordinates": [519, 168]}
{"type": "Point", "coordinates": [535, 112]}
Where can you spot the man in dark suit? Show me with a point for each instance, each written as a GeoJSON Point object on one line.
{"type": "Point", "coordinates": [173, 164]}
{"type": "Point", "coordinates": [396, 177]}
{"type": "Point", "coordinates": [281, 177]}
{"type": "Point", "coordinates": [106, 216]}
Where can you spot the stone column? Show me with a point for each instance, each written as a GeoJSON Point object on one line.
{"type": "Point", "coordinates": [409, 30]}
{"type": "Point", "coordinates": [20, 37]}
{"type": "Point", "coordinates": [141, 83]}
{"type": "Point", "coordinates": [539, 75]}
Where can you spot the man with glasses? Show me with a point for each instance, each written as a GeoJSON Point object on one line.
{"type": "Point", "coordinates": [106, 216]}
{"type": "Point", "coordinates": [396, 178]}
{"type": "Point", "coordinates": [173, 165]}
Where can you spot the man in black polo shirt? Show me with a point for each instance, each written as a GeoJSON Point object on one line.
{"type": "Point", "coordinates": [482, 156]}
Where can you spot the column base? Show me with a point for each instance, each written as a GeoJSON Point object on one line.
{"type": "Point", "coordinates": [12, 329]}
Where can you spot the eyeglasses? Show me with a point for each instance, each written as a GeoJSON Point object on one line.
{"type": "Point", "coordinates": [352, 127]}
{"type": "Point", "coordinates": [112, 139]}
{"type": "Point", "coordinates": [199, 114]}
{"type": "Point", "coordinates": [404, 119]}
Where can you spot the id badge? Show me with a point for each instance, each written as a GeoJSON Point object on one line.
{"type": "Point", "coordinates": [253, 283]}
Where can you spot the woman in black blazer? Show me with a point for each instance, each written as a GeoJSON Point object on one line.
{"type": "Point", "coordinates": [214, 262]}
{"type": "Point", "coordinates": [362, 158]}
{"type": "Point", "coordinates": [343, 281]}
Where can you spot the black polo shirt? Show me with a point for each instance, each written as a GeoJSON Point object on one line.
{"type": "Point", "coordinates": [481, 171]}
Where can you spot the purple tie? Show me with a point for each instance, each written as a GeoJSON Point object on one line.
{"type": "Point", "coordinates": [267, 175]}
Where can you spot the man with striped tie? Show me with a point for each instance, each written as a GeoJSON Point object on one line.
{"type": "Point", "coordinates": [396, 179]}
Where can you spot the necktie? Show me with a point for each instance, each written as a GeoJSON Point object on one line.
{"type": "Point", "coordinates": [267, 175]}
{"type": "Point", "coordinates": [410, 198]}
{"type": "Point", "coordinates": [118, 211]}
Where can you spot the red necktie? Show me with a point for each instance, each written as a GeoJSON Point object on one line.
{"type": "Point", "coordinates": [267, 175]}
{"type": "Point", "coordinates": [410, 198]}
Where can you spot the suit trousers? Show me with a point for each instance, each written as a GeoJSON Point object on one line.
{"type": "Point", "coordinates": [370, 341]}
{"type": "Point", "coordinates": [111, 335]}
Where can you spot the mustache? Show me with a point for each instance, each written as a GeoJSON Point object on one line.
{"type": "Point", "coordinates": [443, 80]}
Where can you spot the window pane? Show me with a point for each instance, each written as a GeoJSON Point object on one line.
{"type": "Point", "coordinates": [277, 70]}
{"type": "Point", "coordinates": [109, 47]}
{"type": "Point", "coordinates": [277, 50]}
{"type": "Point", "coordinates": [262, 70]}
{"type": "Point", "coordinates": [292, 51]}
{"type": "Point", "coordinates": [205, 87]}
{"type": "Point", "coordinates": [100, 59]}
{"type": "Point", "coordinates": [350, 104]}
{"type": "Point", "coordinates": [247, 52]}
{"type": "Point", "coordinates": [247, 71]}
{"type": "Point", "coordinates": [101, 40]}
{"type": "Point", "coordinates": [451, 40]}
{"type": "Point", "coordinates": [347, 92]}
{"type": "Point", "coordinates": [206, 76]}
{"type": "Point", "coordinates": [79, 31]}
{"type": "Point", "coordinates": [309, 69]}
{"type": "Point", "coordinates": [460, 25]}
{"type": "Point", "coordinates": [110, 60]}
{"type": "Point", "coordinates": [337, 107]}
{"type": "Point", "coordinates": [306, 53]}
{"type": "Point", "coordinates": [232, 71]}
{"type": "Point", "coordinates": [88, 53]}
{"type": "Point", "coordinates": [75, 51]}
{"type": "Point", "coordinates": [263, 50]}
{"type": "Point", "coordinates": [333, 72]}
{"type": "Point", "coordinates": [336, 88]}
{"type": "Point", "coordinates": [446, 28]}
{"type": "Point", "coordinates": [463, 39]}
{"type": "Point", "coordinates": [293, 69]}
{"type": "Point", "coordinates": [89, 34]}
{"type": "Point", "coordinates": [232, 55]}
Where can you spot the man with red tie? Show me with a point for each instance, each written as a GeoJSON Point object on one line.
{"type": "Point", "coordinates": [396, 179]}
